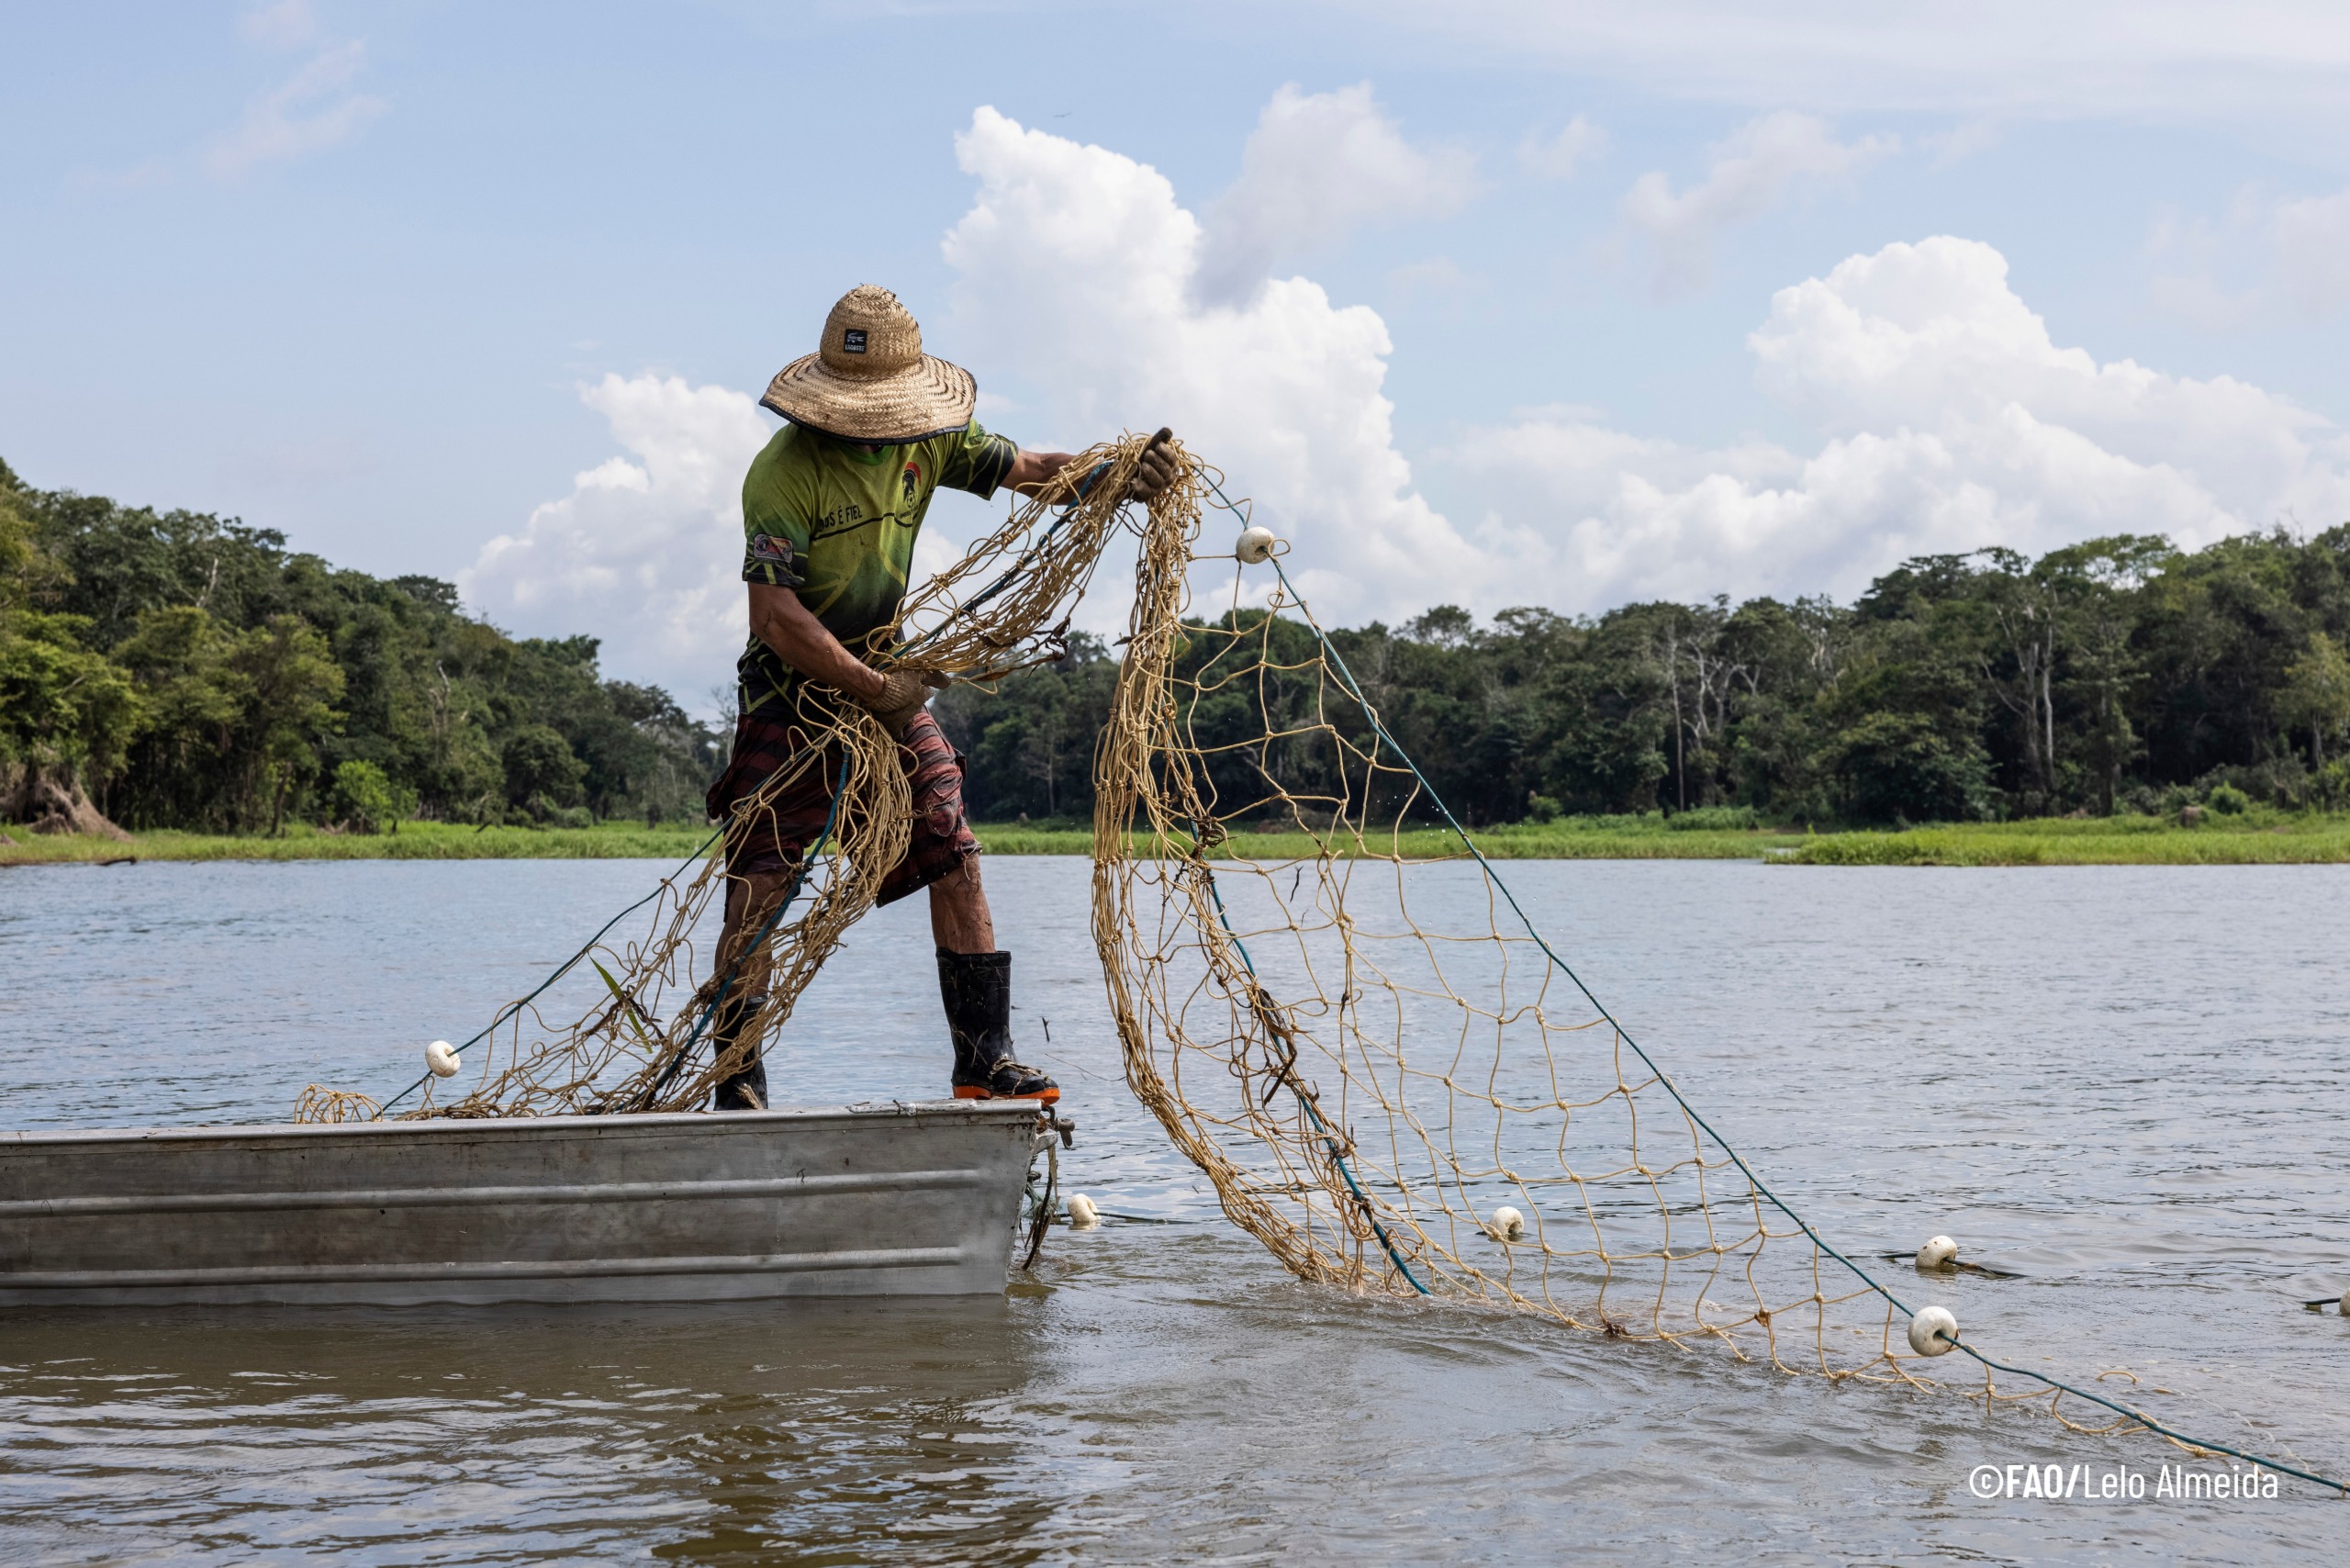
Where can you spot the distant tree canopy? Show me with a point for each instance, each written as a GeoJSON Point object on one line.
{"type": "Point", "coordinates": [188, 671]}
{"type": "Point", "coordinates": [2116, 674]}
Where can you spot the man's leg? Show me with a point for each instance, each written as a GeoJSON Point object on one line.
{"type": "Point", "coordinates": [751, 901]}
{"type": "Point", "coordinates": [975, 984]}
{"type": "Point", "coordinates": [960, 921]}
{"type": "Point", "coordinates": [974, 978]}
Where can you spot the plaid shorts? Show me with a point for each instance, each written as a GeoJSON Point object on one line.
{"type": "Point", "coordinates": [777, 840]}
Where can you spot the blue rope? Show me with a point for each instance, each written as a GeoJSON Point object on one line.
{"type": "Point", "coordinates": [1379, 731]}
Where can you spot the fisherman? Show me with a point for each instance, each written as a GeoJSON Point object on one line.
{"type": "Point", "coordinates": [830, 509]}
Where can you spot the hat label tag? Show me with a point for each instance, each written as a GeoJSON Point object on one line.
{"type": "Point", "coordinates": [852, 340]}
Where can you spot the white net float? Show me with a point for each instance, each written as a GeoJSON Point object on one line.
{"type": "Point", "coordinates": [1255, 546]}
{"type": "Point", "coordinates": [1937, 1253]}
{"type": "Point", "coordinates": [441, 1058]}
{"type": "Point", "coordinates": [1507, 1225]}
{"type": "Point", "coordinates": [1933, 1331]}
{"type": "Point", "coordinates": [1082, 1215]}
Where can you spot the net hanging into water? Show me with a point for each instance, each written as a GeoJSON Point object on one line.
{"type": "Point", "coordinates": [1368, 1086]}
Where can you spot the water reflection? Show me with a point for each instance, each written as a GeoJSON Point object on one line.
{"type": "Point", "coordinates": [701, 1434]}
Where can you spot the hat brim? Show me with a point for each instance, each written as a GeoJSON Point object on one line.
{"type": "Point", "coordinates": [927, 398]}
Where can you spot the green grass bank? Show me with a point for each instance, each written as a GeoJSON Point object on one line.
{"type": "Point", "coordinates": [2252, 838]}
{"type": "Point", "coordinates": [414, 841]}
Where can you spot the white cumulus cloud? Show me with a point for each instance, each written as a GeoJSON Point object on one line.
{"type": "Point", "coordinates": [1947, 419]}
{"type": "Point", "coordinates": [1078, 273]}
{"type": "Point", "coordinates": [1952, 420]}
{"type": "Point", "coordinates": [1763, 164]}
{"type": "Point", "coordinates": [1317, 167]}
{"type": "Point", "coordinates": [646, 549]}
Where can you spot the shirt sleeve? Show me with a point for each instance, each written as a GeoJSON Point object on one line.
{"type": "Point", "coordinates": [775, 542]}
{"type": "Point", "coordinates": [976, 461]}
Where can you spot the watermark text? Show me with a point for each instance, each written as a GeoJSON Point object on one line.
{"type": "Point", "coordinates": [2124, 1484]}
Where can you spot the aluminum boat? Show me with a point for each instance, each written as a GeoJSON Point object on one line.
{"type": "Point", "coordinates": [899, 1199]}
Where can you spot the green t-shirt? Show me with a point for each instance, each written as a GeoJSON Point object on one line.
{"type": "Point", "coordinates": [838, 525]}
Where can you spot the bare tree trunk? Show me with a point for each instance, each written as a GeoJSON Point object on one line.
{"type": "Point", "coordinates": [2116, 754]}
{"type": "Point", "coordinates": [2048, 720]}
{"type": "Point", "coordinates": [2031, 638]}
{"type": "Point", "coordinates": [51, 805]}
{"type": "Point", "coordinates": [1672, 685]}
{"type": "Point", "coordinates": [1680, 771]}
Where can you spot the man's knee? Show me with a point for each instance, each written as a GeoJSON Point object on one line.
{"type": "Point", "coordinates": [752, 897]}
{"type": "Point", "coordinates": [756, 889]}
{"type": "Point", "coordinates": [961, 884]}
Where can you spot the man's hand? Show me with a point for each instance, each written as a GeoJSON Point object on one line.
{"type": "Point", "coordinates": [784, 625]}
{"type": "Point", "coordinates": [900, 698]}
{"type": "Point", "coordinates": [1156, 471]}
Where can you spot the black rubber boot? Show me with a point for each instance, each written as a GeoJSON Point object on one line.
{"type": "Point", "coordinates": [977, 989]}
{"type": "Point", "coordinates": [747, 1089]}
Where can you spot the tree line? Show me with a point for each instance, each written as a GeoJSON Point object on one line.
{"type": "Point", "coordinates": [181, 670]}
{"type": "Point", "coordinates": [178, 669]}
{"type": "Point", "coordinates": [2120, 675]}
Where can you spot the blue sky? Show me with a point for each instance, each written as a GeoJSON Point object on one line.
{"type": "Point", "coordinates": [404, 280]}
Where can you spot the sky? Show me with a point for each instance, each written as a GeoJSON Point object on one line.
{"type": "Point", "coordinates": [1487, 303]}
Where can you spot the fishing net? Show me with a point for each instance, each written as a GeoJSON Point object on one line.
{"type": "Point", "coordinates": [1378, 1063]}
{"type": "Point", "coordinates": [1392, 1079]}
{"type": "Point", "coordinates": [647, 1041]}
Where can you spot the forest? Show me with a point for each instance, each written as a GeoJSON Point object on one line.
{"type": "Point", "coordinates": [2116, 675]}
{"type": "Point", "coordinates": [181, 670]}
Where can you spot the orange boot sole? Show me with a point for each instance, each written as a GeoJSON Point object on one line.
{"type": "Point", "coordinates": [976, 1091]}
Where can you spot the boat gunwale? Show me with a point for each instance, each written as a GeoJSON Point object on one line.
{"type": "Point", "coordinates": [733, 1122]}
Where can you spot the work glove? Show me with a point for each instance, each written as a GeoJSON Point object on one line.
{"type": "Point", "coordinates": [902, 694]}
{"type": "Point", "coordinates": [1157, 469]}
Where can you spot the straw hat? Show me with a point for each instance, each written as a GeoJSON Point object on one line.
{"type": "Point", "coordinates": [870, 381]}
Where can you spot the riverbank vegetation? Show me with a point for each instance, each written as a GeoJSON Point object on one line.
{"type": "Point", "coordinates": [176, 670]}
{"type": "Point", "coordinates": [2112, 678]}
{"type": "Point", "coordinates": [2258, 836]}
{"type": "Point", "coordinates": [193, 680]}
{"type": "Point", "coordinates": [2255, 837]}
{"type": "Point", "coordinates": [414, 841]}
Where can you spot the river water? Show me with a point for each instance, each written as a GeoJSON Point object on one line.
{"type": "Point", "coordinates": [2124, 1085]}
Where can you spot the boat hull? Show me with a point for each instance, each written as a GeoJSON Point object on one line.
{"type": "Point", "coordinates": [903, 1200]}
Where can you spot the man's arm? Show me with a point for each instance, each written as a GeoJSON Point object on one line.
{"type": "Point", "coordinates": [800, 640]}
{"type": "Point", "coordinates": [1031, 469]}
